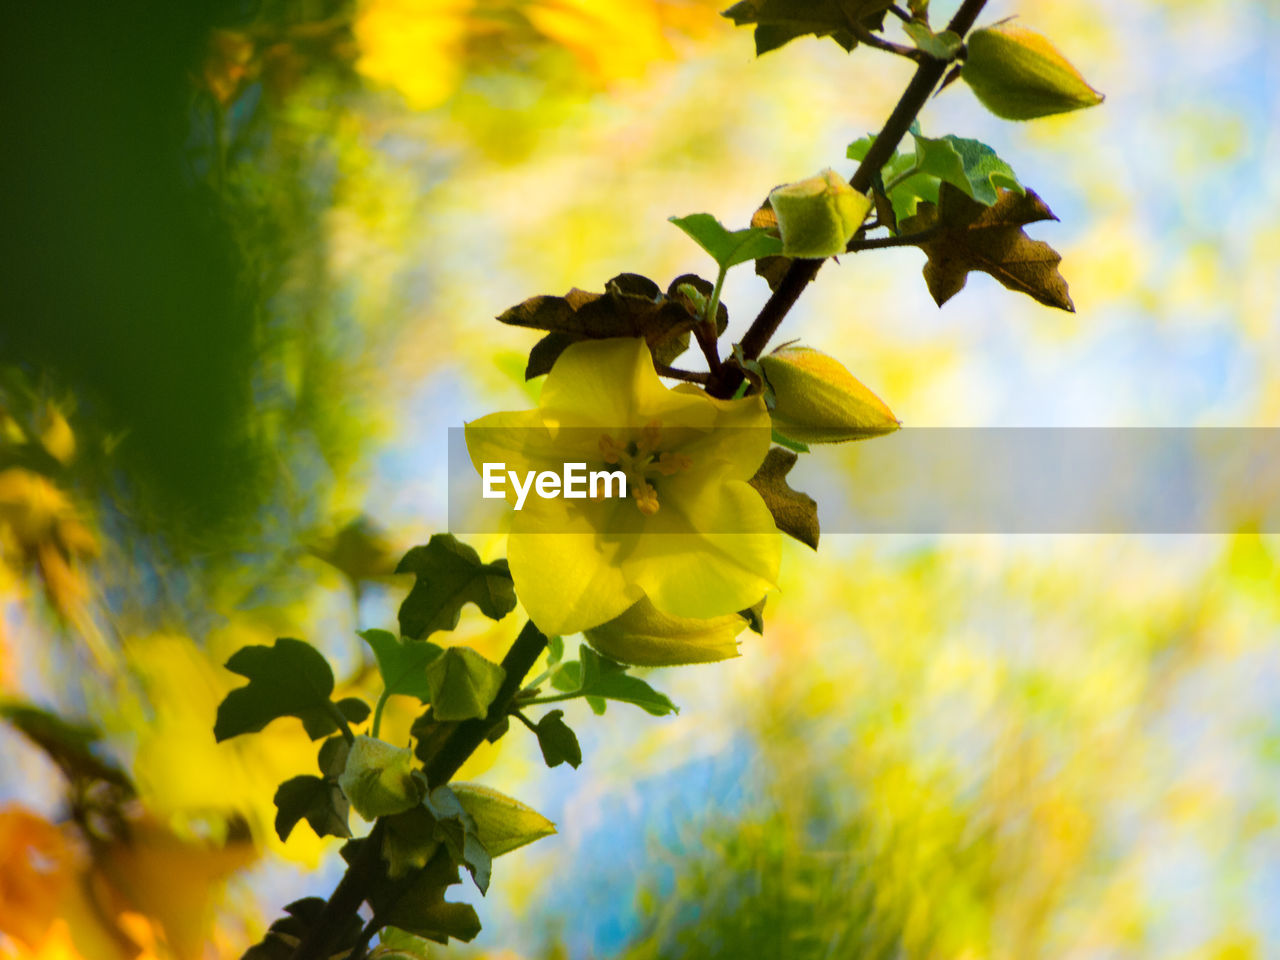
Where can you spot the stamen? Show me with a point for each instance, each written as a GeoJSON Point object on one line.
{"type": "Point", "coordinates": [650, 437]}
{"type": "Point", "coordinates": [610, 449]}
{"type": "Point", "coordinates": [646, 499]}
{"type": "Point", "coordinates": [670, 463]}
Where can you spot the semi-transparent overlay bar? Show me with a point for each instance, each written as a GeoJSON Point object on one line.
{"type": "Point", "coordinates": [935, 481]}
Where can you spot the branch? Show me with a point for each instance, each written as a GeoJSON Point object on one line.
{"type": "Point", "coordinates": [691, 376]}
{"type": "Point", "coordinates": [798, 275]}
{"type": "Point", "coordinates": [366, 868]}
{"type": "Point", "coordinates": [880, 243]}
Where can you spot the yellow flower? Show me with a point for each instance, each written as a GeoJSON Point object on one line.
{"type": "Point", "coordinates": [692, 536]}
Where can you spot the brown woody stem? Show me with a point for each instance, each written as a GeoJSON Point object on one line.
{"type": "Point", "coordinates": [798, 275]}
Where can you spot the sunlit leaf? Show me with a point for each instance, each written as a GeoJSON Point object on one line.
{"type": "Point", "coordinates": [727, 247]}
{"type": "Point", "coordinates": [502, 823]}
{"type": "Point", "coordinates": [964, 236]}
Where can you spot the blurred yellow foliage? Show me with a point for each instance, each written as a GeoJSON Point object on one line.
{"type": "Point", "coordinates": [183, 774]}
{"type": "Point", "coordinates": [414, 46]}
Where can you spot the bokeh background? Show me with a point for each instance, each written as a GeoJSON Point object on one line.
{"type": "Point", "coordinates": [253, 255]}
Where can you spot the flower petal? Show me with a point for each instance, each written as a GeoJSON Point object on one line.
{"type": "Point", "coordinates": [565, 570]}
{"type": "Point", "coordinates": [711, 549]}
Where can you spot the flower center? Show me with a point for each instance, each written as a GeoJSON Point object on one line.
{"type": "Point", "coordinates": [642, 461]}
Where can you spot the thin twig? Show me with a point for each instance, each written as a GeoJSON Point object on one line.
{"type": "Point", "coordinates": [798, 275]}
{"type": "Point", "coordinates": [888, 46]}
{"type": "Point", "coordinates": [692, 376]}
{"type": "Point", "coordinates": [881, 243]}
{"type": "Point", "coordinates": [898, 12]}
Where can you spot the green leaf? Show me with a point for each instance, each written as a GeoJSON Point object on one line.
{"type": "Point", "coordinates": [728, 247]}
{"type": "Point", "coordinates": [409, 840]}
{"type": "Point", "coordinates": [456, 829]}
{"type": "Point", "coordinates": [449, 575]}
{"type": "Point", "coordinates": [354, 709]}
{"type": "Point", "coordinates": [942, 46]}
{"type": "Point", "coordinates": [397, 944]}
{"type": "Point", "coordinates": [283, 936]}
{"type": "Point", "coordinates": [288, 679]}
{"type": "Point", "coordinates": [970, 165]}
{"type": "Point", "coordinates": [555, 650]}
{"type": "Point", "coordinates": [605, 679]}
{"type": "Point", "coordinates": [502, 823]}
{"type": "Point", "coordinates": [403, 664]}
{"type": "Point", "coordinates": [778, 22]}
{"type": "Point", "coordinates": [796, 514]}
{"type": "Point", "coordinates": [558, 743]}
{"type": "Point", "coordinates": [462, 684]}
{"type": "Point", "coordinates": [320, 801]}
{"type": "Point", "coordinates": [378, 778]}
{"type": "Point", "coordinates": [416, 903]}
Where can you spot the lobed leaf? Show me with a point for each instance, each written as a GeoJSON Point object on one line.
{"type": "Point", "coordinates": [778, 22]}
{"type": "Point", "coordinates": [449, 575]}
{"type": "Point", "coordinates": [966, 236]}
{"type": "Point", "coordinates": [288, 679]}
{"type": "Point", "coordinates": [319, 801]}
{"type": "Point", "coordinates": [795, 513]}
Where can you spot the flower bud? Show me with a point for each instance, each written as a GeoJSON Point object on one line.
{"type": "Point", "coordinates": [817, 217]}
{"type": "Point", "coordinates": [378, 779]}
{"type": "Point", "coordinates": [1020, 75]}
{"type": "Point", "coordinates": [816, 400]}
{"type": "Point", "coordinates": [644, 636]}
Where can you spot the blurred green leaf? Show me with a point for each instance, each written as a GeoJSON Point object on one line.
{"type": "Point", "coordinates": [449, 576]}
{"type": "Point", "coordinates": [69, 745]}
